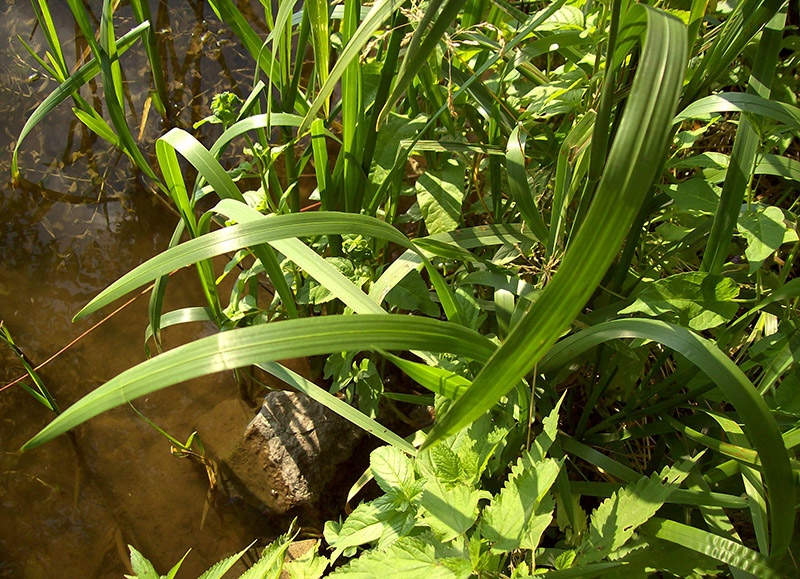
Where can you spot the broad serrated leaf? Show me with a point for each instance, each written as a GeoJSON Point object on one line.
{"type": "Point", "coordinates": [547, 436]}
{"type": "Point", "coordinates": [446, 465]}
{"type": "Point", "coordinates": [270, 563]}
{"type": "Point", "coordinates": [392, 469]}
{"type": "Point", "coordinates": [451, 510]}
{"type": "Point", "coordinates": [440, 195]}
{"type": "Point", "coordinates": [506, 519]}
{"type": "Point", "coordinates": [219, 569]}
{"type": "Point", "coordinates": [701, 300]}
{"type": "Point", "coordinates": [765, 231]}
{"type": "Point", "coordinates": [408, 558]}
{"type": "Point", "coordinates": [412, 294]}
{"type": "Point", "coordinates": [476, 445]}
{"type": "Point", "coordinates": [361, 527]}
{"type": "Point", "coordinates": [695, 195]}
{"type": "Point", "coordinates": [383, 520]}
{"type": "Point", "coordinates": [397, 128]}
{"type": "Point", "coordinates": [141, 566]}
{"type": "Point", "coordinates": [541, 519]}
{"type": "Point", "coordinates": [615, 520]}
{"type": "Point", "coordinates": [309, 566]}
{"type": "Point", "coordinates": [565, 18]}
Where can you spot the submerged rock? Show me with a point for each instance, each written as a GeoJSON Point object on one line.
{"type": "Point", "coordinates": [290, 452]}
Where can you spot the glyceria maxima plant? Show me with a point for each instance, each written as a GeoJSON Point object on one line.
{"type": "Point", "coordinates": [514, 208]}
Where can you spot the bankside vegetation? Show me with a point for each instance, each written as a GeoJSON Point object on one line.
{"type": "Point", "coordinates": [570, 227]}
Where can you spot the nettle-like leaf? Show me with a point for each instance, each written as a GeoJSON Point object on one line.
{"type": "Point", "coordinates": [701, 300]}
{"type": "Point", "coordinates": [220, 568]}
{"type": "Point", "coordinates": [765, 230]}
{"type": "Point", "coordinates": [615, 520]}
{"type": "Point", "coordinates": [407, 558]}
{"type": "Point", "coordinates": [476, 445]}
{"type": "Point", "coordinates": [392, 469]}
{"type": "Point", "coordinates": [440, 195]}
{"type": "Point", "coordinates": [412, 294]}
{"type": "Point", "coordinates": [547, 436]}
{"type": "Point", "coordinates": [506, 520]}
{"type": "Point", "coordinates": [380, 521]}
{"type": "Point", "coordinates": [447, 467]}
{"type": "Point", "coordinates": [565, 18]}
{"type": "Point", "coordinates": [450, 510]}
{"type": "Point", "coordinates": [313, 292]}
{"type": "Point", "coordinates": [270, 564]}
{"type": "Point", "coordinates": [309, 566]}
{"type": "Point", "coordinates": [695, 195]}
{"type": "Point", "coordinates": [573, 530]}
{"type": "Point", "coordinates": [541, 519]}
{"type": "Point", "coordinates": [141, 566]}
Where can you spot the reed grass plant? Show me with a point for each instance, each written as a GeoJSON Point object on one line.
{"type": "Point", "coordinates": [527, 203]}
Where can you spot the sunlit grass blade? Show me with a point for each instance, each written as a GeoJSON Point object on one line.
{"type": "Point", "coordinates": [321, 168]}
{"type": "Point", "coordinates": [437, 380]}
{"type": "Point", "coordinates": [519, 188]}
{"type": "Point", "coordinates": [570, 169]}
{"type": "Point", "coordinates": [110, 72]}
{"type": "Point", "coordinates": [155, 305]}
{"type": "Point", "coordinates": [720, 548]}
{"type": "Point", "coordinates": [378, 14]}
{"type": "Point", "coordinates": [760, 425]}
{"type": "Point", "coordinates": [45, 18]}
{"type": "Point", "coordinates": [240, 236]}
{"type": "Point", "coordinates": [264, 59]}
{"type": "Point", "coordinates": [626, 181]}
{"type": "Point", "coordinates": [739, 28]}
{"type": "Point", "coordinates": [270, 342]}
{"type": "Point", "coordinates": [181, 316]}
{"type": "Point", "coordinates": [204, 162]}
{"type": "Point", "coordinates": [305, 257]}
{"type": "Point", "coordinates": [321, 38]}
{"type": "Point", "coordinates": [66, 89]}
{"type": "Point", "coordinates": [141, 11]}
{"type": "Point", "coordinates": [95, 123]}
{"type": "Point", "coordinates": [743, 157]}
{"type": "Point", "coordinates": [752, 480]}
{"type": "Point", "coordinates": [40, 393]}
{"type": "Point", "coordinates": [464, 239]}
{"type": "Point", "coordinates": [350, 181]}
{"type": "Point", "coordinates": [741, 102]}
{"type": "Point", "coordinates": [600, 135]}
{"type": "Point", "coordinates": [419, 51]}
{"type": "Point", "coordinates": [336, 405]}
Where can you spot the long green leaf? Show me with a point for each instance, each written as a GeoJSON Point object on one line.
{"type": "Point", "coordinates": [627, 179]}
{"type": "Point", "coordinates": [269, 342]}
{"type": "Point", "coordinates": [417, 55]}
{"type": "Point", "coordinates": [314, 265]}
{"type": "Point", "coordinates": [737, 388]}
{"type": "Point", "coordinates": [720, 548]}
{"type": "Point", "coordinates": [374, 19]}
{"type": "Point", "coordinates": [518, 185]}
{"type": "Point", "coordinates": [741, 102]}
{"type": "Point", "coordinates": [80, 77]}
{"type": "Point", "coordinates": [238, 237]}
{"type": "Point", "coordinates": [745, 149]}
{"type": "Point", "coordinates": [337, 405]}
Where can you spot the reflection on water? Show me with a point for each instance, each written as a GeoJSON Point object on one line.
{"type": "Point", "coordinates": [79, 219]}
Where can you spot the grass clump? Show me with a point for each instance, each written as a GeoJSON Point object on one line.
{"type": "Point", "coordinates": [543, 211]}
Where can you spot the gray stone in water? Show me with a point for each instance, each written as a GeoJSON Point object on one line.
{"type": "Point", "coordinates": [290, 452]}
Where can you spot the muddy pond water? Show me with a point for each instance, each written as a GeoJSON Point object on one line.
{"type": "Point", "coordinates": [79, 219]}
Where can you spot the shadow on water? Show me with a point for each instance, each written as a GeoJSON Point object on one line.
{"type": "Point", "coordinates": [78, 220]}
